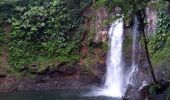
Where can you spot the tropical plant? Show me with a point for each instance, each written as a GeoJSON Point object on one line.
{"type": "Point", "coordinates": [159, 39]}
{"type": "Point", "coordinates": [44, 29]}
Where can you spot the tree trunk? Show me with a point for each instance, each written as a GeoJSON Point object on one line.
{"type": "Point", "coordinates": [148, 58]}
{"type": "Point", "coordinates": [141, 16]}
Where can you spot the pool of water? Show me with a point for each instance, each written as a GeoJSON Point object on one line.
{"type": "Point", "coordinates": [52, 95]}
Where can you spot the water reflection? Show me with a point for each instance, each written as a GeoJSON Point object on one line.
{"type": "Point", "coordinates": [51, 95]}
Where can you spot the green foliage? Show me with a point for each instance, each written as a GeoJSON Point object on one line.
{"type": "Point", "coordinates": [87, 63]}
{"type": "Point", "coordinates": [162, 55]}
{"type": "Point", "coordinates": [153, 89]}
{"type": "Point", "coordinates": [126, 5]}
{"type": "Point", "coordinates": [160, 37]}
{"type": "Point", "coordinates": [44, 30]}
{"type": "Point", "coordinates": [168, 97]}
{"type": "Point", "coordinates": [159, 44]}
{"type": "Point", "coordinates": [7, 10]}
{"type": "Point", "coordinates": [105, 47]}
{"type": "Point", "coordinates": [1, 38]}
{"type": "Point", "coordinates": [91, 34]}
{"type": "Point", "coordinates": [157, 4]}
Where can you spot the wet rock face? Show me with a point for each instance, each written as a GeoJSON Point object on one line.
{"type": "Point", "coordinates": [137, 94]}
{"type": "Point", "coordinates": [101, 30]}
{"type": "Point", "coordinates": [151, 17]}
{"type": "Point", "coordinates": [162, 71]}
{"type": "Point", "coordinates": [94, 24]}
{"type": "Point", "coordinates": [144, 93]}
{"type": "Point", "coordinates": [169, 8]}
{"type": "Point", "coordinates": [99, 71]}
{"type": "Point", "coordinates": [49, 81]}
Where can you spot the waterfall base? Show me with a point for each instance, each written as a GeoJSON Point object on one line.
{"type": "Point", "coordinates": [109, 92]}
{"type": "Point", "coordinates": [114, 75]}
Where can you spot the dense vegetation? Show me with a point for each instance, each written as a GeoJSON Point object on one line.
{"type": "Point", "coordinates": [159, 43]}
{"type": "Point", "coordinates": [44, 32]}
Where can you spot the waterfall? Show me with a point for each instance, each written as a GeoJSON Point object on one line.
{"type": "Point", "coordinates": [113, 86]}
{"type": "Point", "coordinates": [113, 82]}
{"type": "Point", "coordinates": [134, 66]}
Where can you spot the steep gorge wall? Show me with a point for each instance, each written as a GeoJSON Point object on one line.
{"type": "Point", "coordinates": [97, 35]}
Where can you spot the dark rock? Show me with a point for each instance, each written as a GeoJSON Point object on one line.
{"type": "Point", "coordinates": [163, 85]}
{"type": "Point", "coordinates": [35, 69]}
{"type": "Point", "coordinates": [43, 79]}
{"type": "Point", "coordinates": [96, 45]}
{"type": "Point", "coordinates": [161, 91]}
{"type": "Point", "coordinates": [2, 75]}
{"type": "Point", "coordinates": [117, 10]}
{"type": "Point", "coordinates": [144, 92]}
{"type": "Point", "coordinates": [128, 92]}
{"type": "Point", "coordinates": [69, 70]}
{"type": "Point", "coordinates": [99, 71]}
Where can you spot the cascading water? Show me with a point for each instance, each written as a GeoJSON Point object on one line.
{"type": "Point", "coordinates": [113, 82]}
{"type": "Point", "coordinates": [113, 86]}
{"type": "Point", "coordinates": [134, 65]}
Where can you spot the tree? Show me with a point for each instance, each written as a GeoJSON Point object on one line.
{"type": "Point", "coordinates": [141, 19]}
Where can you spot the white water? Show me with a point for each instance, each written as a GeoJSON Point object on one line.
{"type": "Point", "coordinates": [134, 65]}
{"type": "Point", "coordinates": [113, 82]}
{"type": "Point", "coordinates": [114, 79]}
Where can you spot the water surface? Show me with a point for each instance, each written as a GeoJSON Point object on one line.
{"type": "Point", "coordinates": [51, 95]}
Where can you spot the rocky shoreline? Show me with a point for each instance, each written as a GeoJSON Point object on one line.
{"type": "Point", "coordinates": [69, 78]}
{"type": "Point", "coordinates": [46, 82]}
